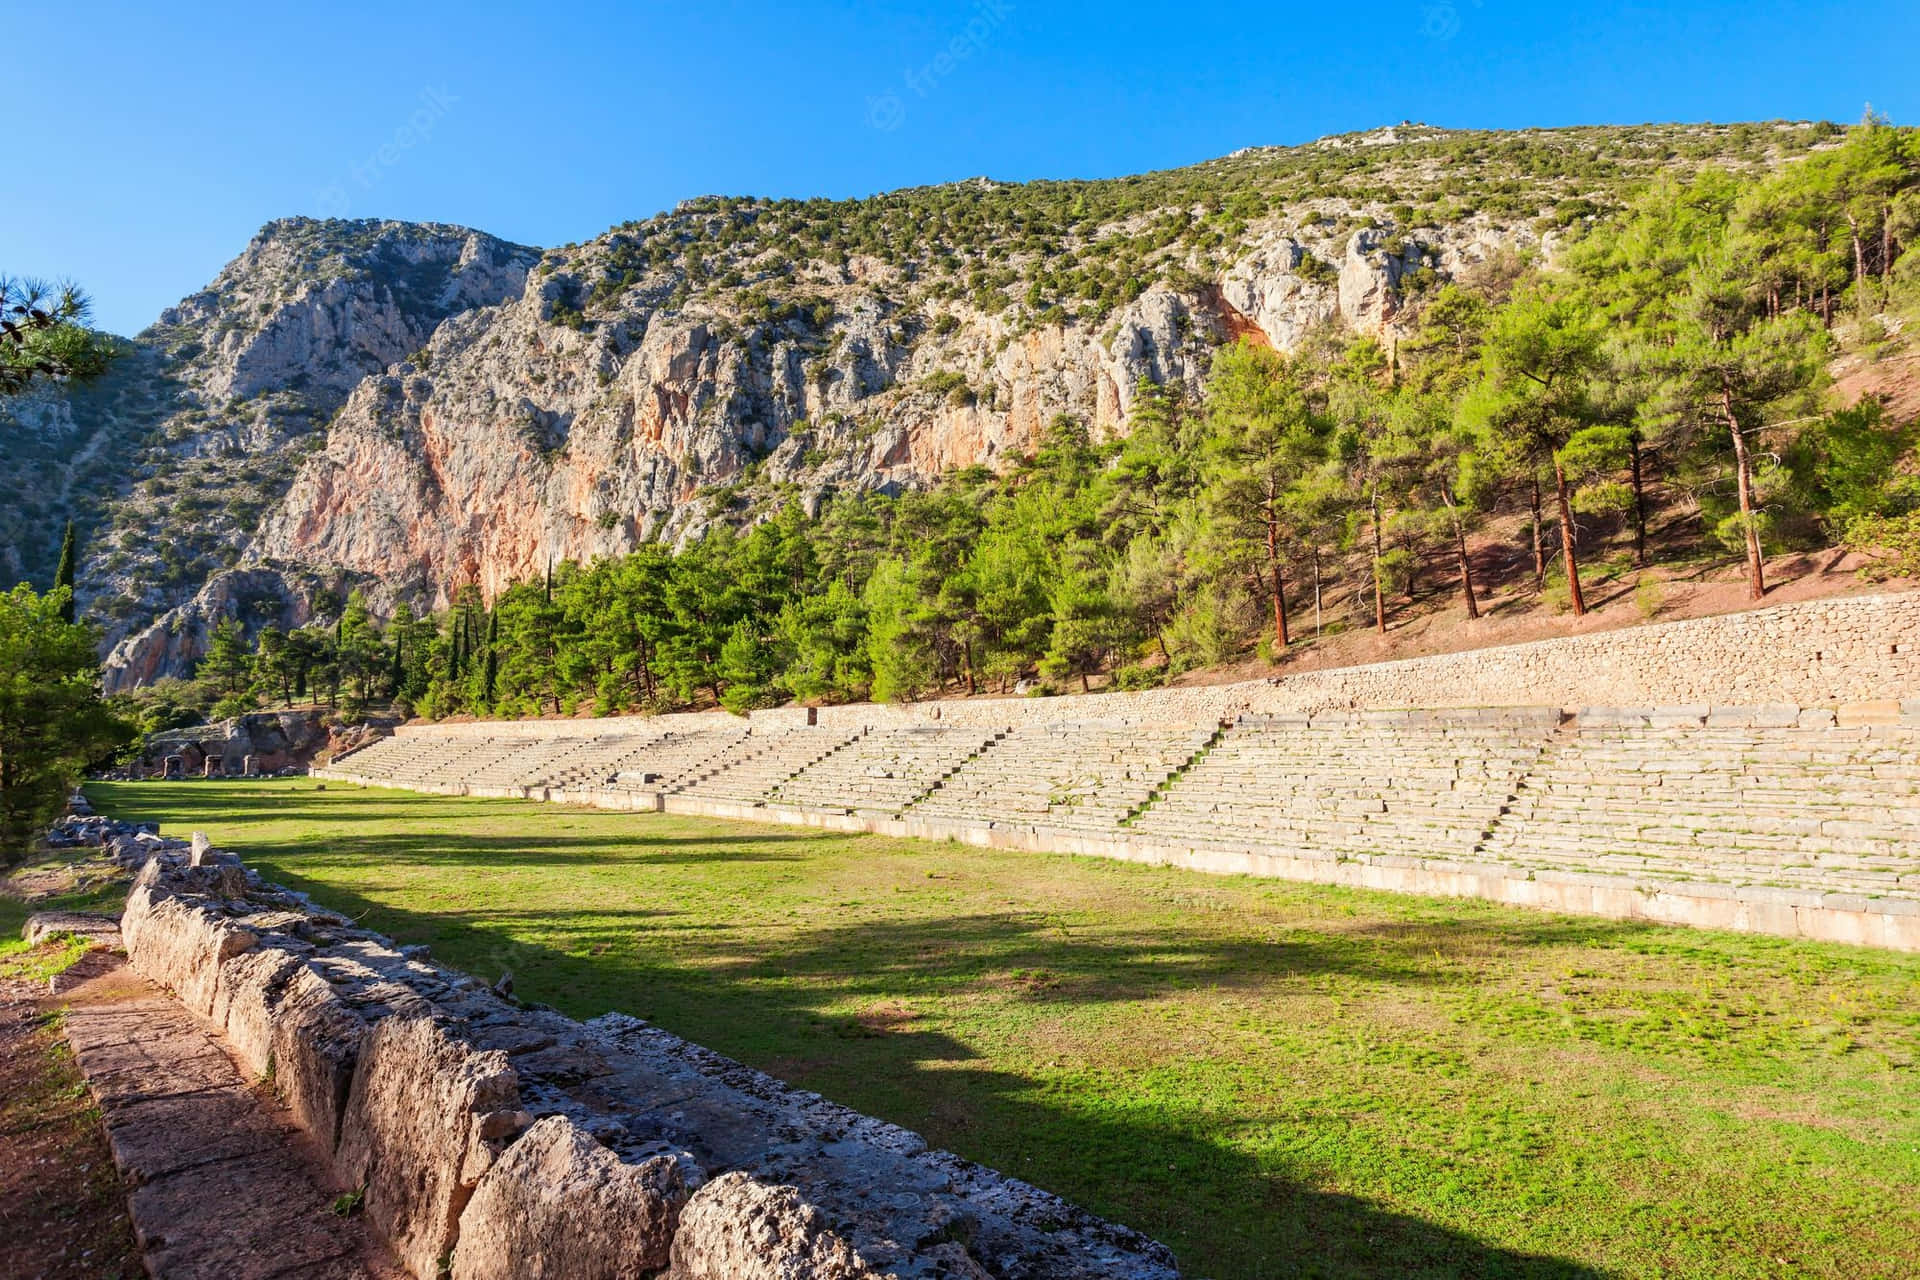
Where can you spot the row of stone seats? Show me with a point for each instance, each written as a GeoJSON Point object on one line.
{"type": "Point", "coordinates": [885, 770]}
{"type": "Point", "coordinates": [410, 761]}
{"type": "Point", "coordinates": [1089, 775]}
{"type": "Point", "coordinates": [380, 757]}
{"type": "Point", "coordinates": [516, 761]}
{"type": "Point", "coordinates": [1795, 805]}
{"type": "Point", "coordinates": [1413, 782]}
{"type": "Point", "coordinates": [751, 770]}
{"type": "Point", "coordinates": [674, 759]}
{"type": "Point", "coordinates": [585, 761]}
{"type": "Point", "coordinates": [600, 761]}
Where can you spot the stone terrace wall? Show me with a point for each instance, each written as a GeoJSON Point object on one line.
{"type": "Point", "coordinates": [1818, 653]}
{"type": "Point", "coordinates": [682, 722]}
{"type": "Point", "coordinates": [496, 1140]}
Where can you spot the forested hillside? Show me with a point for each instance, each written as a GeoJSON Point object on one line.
{"type": "Point", "coordinates": [1657, 387]}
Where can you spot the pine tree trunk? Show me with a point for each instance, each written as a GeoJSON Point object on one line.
{"type": "Point", "coordinates": [1859, 264]}
{"type": "Point", "coordinates": [1466, 561]}
{"type": "Point", "coordinates": [1539, 545]}
{"type": "Point", "coordinates": [1280, 636]}
{"type": "Point", "coordinates": [1886, 256]}
{"type": "Point", "coordinates": [1756, 564]}
{"type": "Point", "coordinates": [1316, 590]}
{"type": "Point", "coordinates": [1566, 540]}
{"type": "Point", "coordinates": [1379, 595]}
{"type": "Point", "coordinates": [1639, 502]}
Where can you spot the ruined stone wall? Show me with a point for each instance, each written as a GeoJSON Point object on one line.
{"type": "Point", "coordinates": [495, 1140]}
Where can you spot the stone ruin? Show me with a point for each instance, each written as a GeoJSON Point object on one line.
{"type": "Point", "coordinates": [496, 1139]}
{"type": "Point", "coordinates": [259, 744]}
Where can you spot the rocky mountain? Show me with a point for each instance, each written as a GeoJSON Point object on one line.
{"type": "Point", "coordinates": [417, 408]}
{"type": "Point", "coordinates": [173, 459]}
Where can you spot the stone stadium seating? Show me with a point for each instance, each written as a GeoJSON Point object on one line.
{"type": "Point", "coordinates": [1425, 783]}
{"type": "Point", "coordinates": [752, 769]}
{"type": "Point", "coordinates": [1771, 818]}
{"type": "Point", "coordinates": [1814, 805]}
{"type": "Point", "coordinates": [885, 770]}
{"type": "Point", "coordinates": [1090, 775]}
{"type": "Point", "coordinates": [674, 759]}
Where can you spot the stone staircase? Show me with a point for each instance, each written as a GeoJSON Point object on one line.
{"type": "Point", "coordinates": [1088, 775]}
{"type": "Point", "coordinates": [1422, 783]}
{"type": "Point", "coordinates": [753, 770]}
{"type": "Point", "coordinates": [886, 770]}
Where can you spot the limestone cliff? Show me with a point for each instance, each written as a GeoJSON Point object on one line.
{"type": "Point", "coordinates": [170, 462]}
{"type": "Point", "coordinates": [515, 440]}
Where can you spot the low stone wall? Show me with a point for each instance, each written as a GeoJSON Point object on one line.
{"type": "Point", "coordinates": [497, 1140]}
{"type": "Point", "coordinates": [677, 722]}
{"type": "Point", "coordinates": [1818, 653]}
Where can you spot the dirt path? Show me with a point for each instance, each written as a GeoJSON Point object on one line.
{"type": "Point", "coordinates": [63, 1208]}
{"type": "Point", "coordinates": [224, 1186]}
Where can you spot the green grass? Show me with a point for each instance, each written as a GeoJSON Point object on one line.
{"type": "Point", "coordinates": [1275, 1079]}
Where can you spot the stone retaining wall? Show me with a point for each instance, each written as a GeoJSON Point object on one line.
{"type": "Point", "coordinates": [1822, 652]}
{"type": "Point", "coordinates": [495, 1139]}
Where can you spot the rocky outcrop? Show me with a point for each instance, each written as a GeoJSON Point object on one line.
{"type": "Point", "coordinates": [203, 422]}
{"type": "Point", "coordinates": [515, 441]}
{"type": "Point", "coordinates": [174, 643]}
{"type": "Point", "coordinates": [271, 740]}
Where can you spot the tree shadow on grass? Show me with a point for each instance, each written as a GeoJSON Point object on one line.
{"type": "Point", "coordinates": [458, 851]}
{"type": "Point", "coordinates": [774, 1003]}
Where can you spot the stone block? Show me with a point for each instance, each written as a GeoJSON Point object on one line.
{"type": "Point", "coordinates": [735, 1228]}
{"type": "Point", "coordinates": [1854, 714]}
{"type": "Point", "coordinates": [246, 1002]}
{"type": "Point", "coordinates": [178, 944]}
{"type": "Point", "coordinates": [425, 1120]}
{"type": "Point", "coordinates": [559, 1206]}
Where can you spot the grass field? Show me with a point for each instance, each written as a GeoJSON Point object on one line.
{"type": "Point", "coordinates": [1275, 1079]}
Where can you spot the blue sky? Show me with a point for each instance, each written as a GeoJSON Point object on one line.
{"type": "Point", "coordinates": [158, 138]}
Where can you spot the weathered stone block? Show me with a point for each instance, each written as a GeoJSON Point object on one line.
{"type": "Point", "coordinates": [735, 1228]}
{"type": "Point", "coordinates": [178, 944]}
{"type": "Point", "coordinates": [316, 1042]}
{"type": "Point", "coordinates": [559, 1206]}
{"type": "Point", "coordinates": [424, 1121]}
{"type": "Point", "coordinates": [246, 1002]}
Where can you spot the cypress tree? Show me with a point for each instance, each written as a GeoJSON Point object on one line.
{"type": "Point", "coordinates": [493, 652]}
{"type": "Point", "coordinates": [64, 575]}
